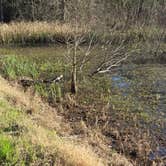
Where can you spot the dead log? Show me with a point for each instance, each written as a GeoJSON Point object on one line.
{"type": "Point", "coordinates": [27, 82]}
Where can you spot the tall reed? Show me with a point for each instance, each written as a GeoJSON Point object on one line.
{"type": "Point", "coordinates": [30, 33]}
{"type": "Point", "coordinates": [38, 32]}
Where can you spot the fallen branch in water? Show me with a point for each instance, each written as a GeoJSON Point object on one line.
{"type": "Point", "coordinates": [27, 82]}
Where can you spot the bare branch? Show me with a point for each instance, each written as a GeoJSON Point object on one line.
{"type": "Point", "coordinates": [86, 57]}
{"type": "Point", "coordinates": [107, 65]}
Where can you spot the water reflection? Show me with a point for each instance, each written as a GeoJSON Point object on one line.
{"type": "Point", "coordinates": [120, 82]}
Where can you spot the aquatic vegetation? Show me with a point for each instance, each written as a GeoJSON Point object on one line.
{"type": "Point", "coordinates": [14, 67]}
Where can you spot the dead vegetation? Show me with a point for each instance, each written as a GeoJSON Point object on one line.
{"type": "Point", "coordinates": [44, 33]}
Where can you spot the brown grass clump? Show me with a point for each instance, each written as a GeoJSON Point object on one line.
{"type": "Point", "coordinates": [37, 32]}
{"type": "Point", "coordinates": [68, 151]}
{"type": "Point", "coordinates": [118, 160]}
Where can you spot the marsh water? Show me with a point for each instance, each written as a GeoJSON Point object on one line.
{"type": "Point", "coordinates": [152, 79]}
{"type": "Point", "coordinates": [144, 82]}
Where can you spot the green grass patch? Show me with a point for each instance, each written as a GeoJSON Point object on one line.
{"type": "Point", "coordinates": [6, 150]}
{"type": "Point", "coordinates": [11, 119]}
{"type": "Point", "coordinates": [14, 66]}
{"type": "Point", "coordinates": [16, 147]}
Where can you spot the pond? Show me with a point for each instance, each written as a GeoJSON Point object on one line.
{"type": "Point", "coordinates": [146, 83]}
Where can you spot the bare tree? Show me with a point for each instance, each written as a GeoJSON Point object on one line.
{"type": "Point", "coordinates": [62, 10]}
{"type": "Point", "coordinates": [106, 58]}
{"type": "Point", "coordinates": [109, 56]}
{"type": "Point", "coordinates": [140, 8]}
{"type": "Point", "coordinates": [72, 54]}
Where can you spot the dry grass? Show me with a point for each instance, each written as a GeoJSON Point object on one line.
{"type": "Point", "coordinates": [118, 160]}
{"type": "Point", "coordinates": [17, 96]}
{"type": "Point", "coordinates": [68, 151]}
{"type": "Point", "coordinates": [29, 28]}
{"type": "Point", "coordinates": [37, 32]}
{"type": "Point", "coordinates": [30, 33]}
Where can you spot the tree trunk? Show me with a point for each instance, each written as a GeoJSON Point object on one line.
{"type": "Point", "coordinates": [74, 72]}
{"type": "Point", "coordinates": [141, 2]}
{"type": "Point", "coordinates": [62, 10]}
{"type": "Point", "coordinates": [74, 82]}
{"type": "Point", "coordinates": [33, 10]}
{"type": "Point", "coordinates": [1, 8]}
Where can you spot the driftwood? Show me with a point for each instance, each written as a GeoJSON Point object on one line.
{"type": "Point", "coordinates": [27, 82]}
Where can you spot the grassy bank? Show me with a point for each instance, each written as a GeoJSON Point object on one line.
{"type": "Point", "coordinates": [31, 33]}
{"type": "Point", "coordinates": [33, 138]}
{"type": "Point", "coordinates": [26, 141]}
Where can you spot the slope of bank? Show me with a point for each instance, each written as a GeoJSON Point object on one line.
{"type": "Point", "coordinates": [30, 134]}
